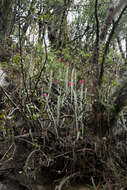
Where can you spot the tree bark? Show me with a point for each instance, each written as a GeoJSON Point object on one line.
{"type": "Point", "coordinates": [101, 123]}
{"type": "Point", "coordinates": [6, 15]}
{"type": "Point", "coordinates": [118, 99]}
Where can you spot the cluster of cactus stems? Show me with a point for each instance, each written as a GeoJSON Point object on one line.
{"type": "Point", "coordinates": [73, 95]}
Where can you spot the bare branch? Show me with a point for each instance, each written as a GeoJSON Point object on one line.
{"type": "Point", "coordinates": [81, 35]}
{"type": "Point", "coordinates": [97, 23]}
{"type": "Point", "coordinates": [95, 56]}
{"type": "Point", "coordinates": [96, 47]}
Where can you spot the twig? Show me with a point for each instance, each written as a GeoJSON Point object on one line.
{"type": "Point", "coordinates": [20, 49]}
{"type": "Point", "coordinates": [6, 153]}
{"type": "Point", "coordinates": [80, 36]}
{"type": "Point", "coordinates": [94, 186]}
{"type": "Point", "coordinates": [9, 98]}
{"type": "Point", "coordinates": [80, 150]}
{"type": "Point", "coordinates": [31, 154]}
{"type": "Point", "coordinates": [46, 58]}
{"type": "Point", "coordinates": [64, 180]}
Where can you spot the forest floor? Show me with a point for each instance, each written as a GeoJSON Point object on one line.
{"type": "Point", "coordinates": [88, 160]}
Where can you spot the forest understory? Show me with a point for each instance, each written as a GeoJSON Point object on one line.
{"type": "Point", "coordinates": [63, 95]}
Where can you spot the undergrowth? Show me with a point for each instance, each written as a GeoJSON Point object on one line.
{"type": "Point", "coordinates": [48, 108]}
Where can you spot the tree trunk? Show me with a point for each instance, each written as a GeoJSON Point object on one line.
{"type": "Point", "coordinates": [6, 16]}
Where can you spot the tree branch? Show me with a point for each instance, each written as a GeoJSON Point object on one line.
{"type": "Point", "coordinates": [81, 35]}
{"type": "Point", "coordinates": [120, 48]}
{"type": "Point", "coordinates": [108, 43]}
{"type": "Point", "coordinates": [118, 99]}
{"type": "Point", "coordinates": [95, 56]}
{"type": "Point", "coordinates": [97, 23]}
{"type": "Point", "coordinates": [96, 47]}
{"type": "Point", "coordinates": [109, 18]}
